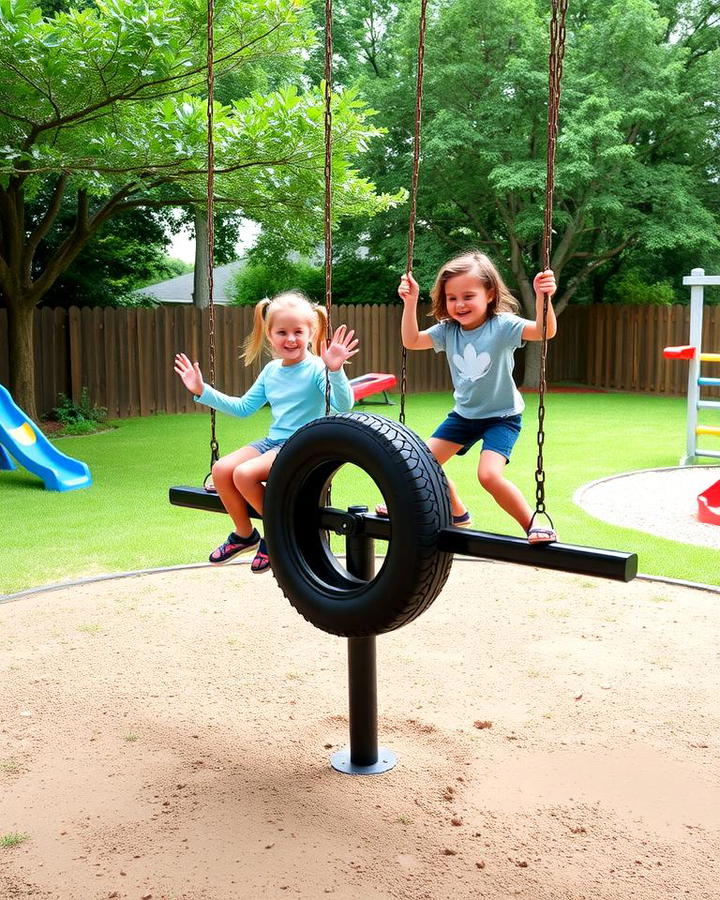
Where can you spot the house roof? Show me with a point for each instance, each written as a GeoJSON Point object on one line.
{"type": "Point", "coordinates": [180, 288]}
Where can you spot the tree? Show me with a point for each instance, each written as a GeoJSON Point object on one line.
{"type": "Point", "coordinates": [105, 105]}
{"type": "Point", "coordinates": [361, 29]}
{"type": "Point", "coordinates": [113, 263]}
{"type": "Point", "coordinates": [637, 155]}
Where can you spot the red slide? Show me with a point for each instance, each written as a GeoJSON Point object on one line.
{"type": "Point", "coordinates": [709, 505]}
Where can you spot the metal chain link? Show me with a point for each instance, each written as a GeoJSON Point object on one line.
{"type": "Point", "coordinates": [414, 184]}
{"type": "Point", "coordinates": [214, 447]}
{"type": "Point", "coordinates": [557, 52]}
{"type": "Point", "coordinates": [327, 500]}
{"type": "Point", "coordinates": [328, 182]}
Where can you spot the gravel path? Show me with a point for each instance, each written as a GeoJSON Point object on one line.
{"type": "Point", "coordinates": [659, 501]}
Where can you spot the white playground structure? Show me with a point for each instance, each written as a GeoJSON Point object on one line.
{"type": "Point", "coordinates": [697, 280]}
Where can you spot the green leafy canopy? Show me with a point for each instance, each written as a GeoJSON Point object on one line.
{"type": "Point", "coordinates": [103, 110]}
{"type": "Point", "coordinates": [113, 96]}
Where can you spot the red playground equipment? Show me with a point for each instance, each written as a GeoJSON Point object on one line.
{"type": "Point", "coordinates": [709, 501]}
{"type": "Point", "coordinates": [709, 505]}
{"type": "Point", "coordinates": [373, 383]}
{"type": "Point", "coordinates": [695, 356]}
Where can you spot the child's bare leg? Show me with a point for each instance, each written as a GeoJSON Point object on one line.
{"type": "Point", "coordinates": [491, 474]}
{"type": "Point", "coordinates": [232, 499]}
{"type": "Point", "coordinates": [443, 451]}
{"type": "Point", "coordinates": [249, 476]}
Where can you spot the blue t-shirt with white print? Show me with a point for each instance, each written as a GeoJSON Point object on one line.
{"type": "Point", "coordinates": [481, 364]}
{"type": "Point", "coordinates": [295, 395]}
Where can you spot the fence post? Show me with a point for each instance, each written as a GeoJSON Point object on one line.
{"type": "Point", "coordinates": [75, 352]}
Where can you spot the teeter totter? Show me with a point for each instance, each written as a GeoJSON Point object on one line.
{"type": "Point", "coordinates": [373, 383]}
{"type": "Point", "coordinates": [353, 600]}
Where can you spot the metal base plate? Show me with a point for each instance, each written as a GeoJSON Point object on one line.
{"type": "Point", "coordinates": [340, 761]}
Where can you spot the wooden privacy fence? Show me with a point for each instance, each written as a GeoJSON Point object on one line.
{"type": "Point", "coordinates": [124, 356]}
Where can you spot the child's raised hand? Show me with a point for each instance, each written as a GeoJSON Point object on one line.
{"type": "Point", "coordinates": [544, 283]}
{"type": "Point", "coordinates": [339, 349]}
{"type": "Point", "coordinates": [409, 289]}
{"type": "Point", "coordinates": [190, 374]}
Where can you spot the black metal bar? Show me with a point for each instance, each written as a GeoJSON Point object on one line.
{"type": "Point", "coordinates": [363, 756]}
{"type": "Point", "coordinates": [610, 564]}
{"type": "Point", "coordinates": [198, 498]}
{"type": "Point", "coordinates": [357, 524]}
{"type": "Point", "coordinates": [359, 546]}
{"type": "Point", "coordinates": [362, 668]}
{"type": "Point", "coordinates": [362, 699]}
{"type": "Point", "coordinates": [195, 498]}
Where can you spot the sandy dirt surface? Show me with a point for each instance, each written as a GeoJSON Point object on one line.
{"type": "Point", "coordinates": [168, 736]}
{"type": "Point", "coordinates": [658, 501]}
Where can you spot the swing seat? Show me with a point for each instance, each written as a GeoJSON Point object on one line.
{"type": "Point", "coordinates": [199, 498]}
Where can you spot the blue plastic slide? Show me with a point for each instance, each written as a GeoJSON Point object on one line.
{"type": "Point", "coordinates": [22, 438]}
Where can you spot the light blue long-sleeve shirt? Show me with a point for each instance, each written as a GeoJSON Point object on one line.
{"type": "Point", "coordinates": [295, 395]}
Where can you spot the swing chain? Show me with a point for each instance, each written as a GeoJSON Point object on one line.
{"type": "Point", "coordinates": [557, 52]}
{"type": "Point", "coordinates": [328, 182]}
{"type": "Point", "coordinates": [214, 447]}
{"type": "Point", "coordinates": [414, 183]}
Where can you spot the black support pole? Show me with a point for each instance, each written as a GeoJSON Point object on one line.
{"type": "Point", "coordinates": [362, 701]}
{"type": "Point", "coordinates": [363, 756]}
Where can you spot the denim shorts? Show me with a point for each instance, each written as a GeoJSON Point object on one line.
{"type": "Point", "coordinates": [497, 433]}
{"type": "Point", "coordinates": [266, 443]}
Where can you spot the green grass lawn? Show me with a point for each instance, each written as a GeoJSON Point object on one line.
{"type": "Point", "coordinates": [125, 522]}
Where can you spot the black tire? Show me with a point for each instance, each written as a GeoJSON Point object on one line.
{"type": "Point", "coordinates": [415, 490]}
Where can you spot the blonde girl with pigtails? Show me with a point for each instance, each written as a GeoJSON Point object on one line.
{"type": "Point", "coordinates": [292, 384]}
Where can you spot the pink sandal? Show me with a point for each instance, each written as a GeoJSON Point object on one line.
{"type": "Point", "coordinates": [261, 562]}
{"type": "Point", "coordinates": [541, 534]}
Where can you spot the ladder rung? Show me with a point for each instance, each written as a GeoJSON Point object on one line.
{"type": "Point", "coordinates": [715, 454]}
{"type": "Point", "coordinates": [709, 404]}
{"type": "Point", "coordinates": [708, 429]}
{"type": "Point", "coordinates": [709, 382]}
{"type": "Point", "coordinates": [710, 357]}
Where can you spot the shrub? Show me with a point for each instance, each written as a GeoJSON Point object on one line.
{"type": "Point", "coordinates": [354, 281]}
{"type": "Point", "coordinates": [80, 417]}
{"type": "Point", "coordinates": [629, 287]}
{"type": "Point", "coordinates": [261, 279]}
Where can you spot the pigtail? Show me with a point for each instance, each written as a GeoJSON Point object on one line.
{"type": "Point", "coordinates": [321, 329]}
{"type": "Point", "coordinates": [254, 343]}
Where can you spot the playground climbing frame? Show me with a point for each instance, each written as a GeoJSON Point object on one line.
{"type": "Point", "coordinates": [697, 281]}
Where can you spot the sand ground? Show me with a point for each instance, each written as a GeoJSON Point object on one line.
{"type": "Point", "coordinates": [168, 736]}
{"type": "Point", "coordinates": [659, 501]}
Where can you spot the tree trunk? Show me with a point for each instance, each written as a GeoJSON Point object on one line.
{"type": "Point", "coordinates": [532, 365]}
{"type": "Point", "coordinates": [22, 363]}
{"type": "Point", "coordinates": [201, 294]}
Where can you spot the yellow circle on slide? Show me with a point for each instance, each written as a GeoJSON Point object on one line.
{"type": "Point", "coordinates": [23, 434]}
